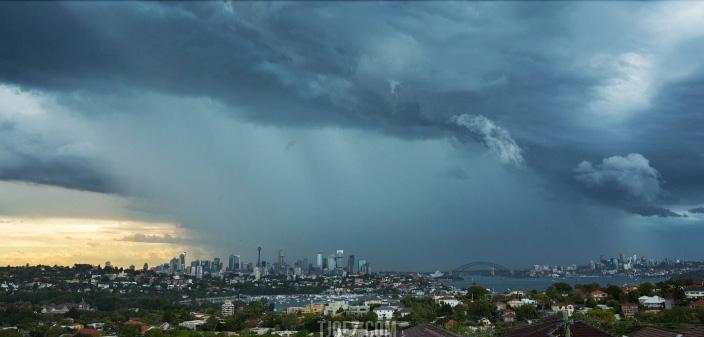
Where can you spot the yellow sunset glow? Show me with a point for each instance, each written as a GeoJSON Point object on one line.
{"type": "Point", "coordinates": [66, 241]}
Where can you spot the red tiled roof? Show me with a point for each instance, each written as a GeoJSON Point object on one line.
{"type": "Point", "coordinates": [651, 331]}
{"type": "Point", "coordinates": [556, 328]}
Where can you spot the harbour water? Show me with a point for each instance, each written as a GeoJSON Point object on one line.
{"type": "Point", "coordinates": [497, 284]}
{"type": "Point", "coordinates": [281, 302]}
{"type": "Point", "coordinates": [503, 284]}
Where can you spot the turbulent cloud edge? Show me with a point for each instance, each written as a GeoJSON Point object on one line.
{"type": "Point", "coordinates": [628, 181]}
{"type": "Point", "coordinates": [166, 238]}
{"type": "Point", "coordinates": [630, 174]}
{"type": "Point", "coordinates": [697, 210]}
{"type": "Point", "coordinates": [497, 139]}
{"type": "Point", "coordinates": [661, 212]}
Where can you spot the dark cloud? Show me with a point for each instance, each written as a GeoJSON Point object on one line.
{"type": "Point", "coordinates": [654, 211]}
{"type": "Point", "coordinates": [145, 238]}
{"type": "Point", "coordinates": [696, 210]}
{"type": "Point", "coordinates": [159, 102]}
{"type": "Point", "coordinates": [73, 173]}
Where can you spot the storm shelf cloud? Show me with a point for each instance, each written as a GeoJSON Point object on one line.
{"type": "Point", "coordinates": [310, 125]}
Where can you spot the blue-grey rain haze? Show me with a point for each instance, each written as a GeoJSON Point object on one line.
{"type": "Point", "coordinates": [418, 135]}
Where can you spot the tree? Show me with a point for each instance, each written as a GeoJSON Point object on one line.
{"type": "Point", "coordinates": [211, 323]}
{"type": "Point", "coordinates": [9, 333]}
{"type": "Point", "coordinates": [479, 309]}
{"type": "Point", "coordinates": [646, 289]}
{"type": "Point", "coordinates": [154, 333]}
{"type": "Point", "coordinates": [526, 312]}
{"type": "Point", "coordinates": [128, 330]}
{"type": "Point", "coordinates": [55, 331]}
{"type": "Point", "coordinates": [562, 287]}
{"type": "Point", "coordinates": [591, 302]}
{"type": "Point", "coordinates": [601, 318]}
{"type": "Point", "coordinates": [476, 292]}
{"type": "Point", "coordinates": [615, 292]}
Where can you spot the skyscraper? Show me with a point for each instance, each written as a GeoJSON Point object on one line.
{"type": "Point", "coordinates": [361, 265]}
{"type": "Point", "coordinates": [339, 259]}
{"type": "Point", "coordinates": [182, 262]}
{"type": "Point", "coordinates": [350, 265]}
{"type": "Point", "coordinates": [281, 267]}
{"type": "Point", "coordinates": [319, 260]}
{"type": "Point", "coordinates": [174, 266]}
{"type": "Point", "coordinates": [234, 263]}
{"type": "Point", "coordinates": [331, 262]}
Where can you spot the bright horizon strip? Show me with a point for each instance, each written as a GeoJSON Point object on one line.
{"type": "Point", "coordinates": [67, 241]}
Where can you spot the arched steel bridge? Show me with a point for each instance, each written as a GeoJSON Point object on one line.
{"type": "Point", "coordinates": [468, 267]}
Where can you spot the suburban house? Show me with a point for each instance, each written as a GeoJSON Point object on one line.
{"type": "Point", "coordinates": [385, 312]}
{"type": "Point", "coordinates": [695, 292]}
{"type": "Point", "coordinates": [599, 295]}
{"type": "Point", "coordinates": [652, 302]}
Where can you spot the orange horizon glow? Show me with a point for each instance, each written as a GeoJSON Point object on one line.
{"type": "Point", "coordinates": [67, 241]}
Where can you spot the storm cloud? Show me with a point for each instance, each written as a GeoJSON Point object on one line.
{"type": "Point", "coordinates": [632, 175]}
{"type": "Point", "coordinates": [251, 122]}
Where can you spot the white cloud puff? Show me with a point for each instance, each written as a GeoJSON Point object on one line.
{"type": "Point", "coordinates": [494, 137]}
{"type": "Point", "coordinates": [631, 174]}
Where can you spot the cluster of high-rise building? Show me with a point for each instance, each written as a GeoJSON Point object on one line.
{"type": "Point", "coordinates": [338, 263]}
{"type": "Point", "coordinates": [197, 268]}
{"type": "Point", "coordinates": [618, 265]}
{"type": "Point", "coordinates": [332, 264]}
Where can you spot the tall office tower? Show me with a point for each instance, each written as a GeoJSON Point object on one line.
{"type": "Point", "coordinates": [339, 259]}
{"type": "Point", "coordinates": [331, 262]}
{"type": "Point", "coordinates": [173, 266]}
{"type": "Point", "coordinates": [282, 268]}
{"type": "Point", "coordinates": [145, 267]}
{"type": "Point", "coordinates": [319, 260]}
{"type": "Point", "coordinates": [360, 265]}
{"type": "Point", "coordinates": [350, 265]}
{"type": "Point", "coordinates": [233, 263]}
{"type": "Point", "coordinates": [182, 262]}
{"type": "Point", "coordinates": [259, 256]}
{"type": "Point", "coordinates": [216, 266]}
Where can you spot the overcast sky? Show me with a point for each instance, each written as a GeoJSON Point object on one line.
{"type": "Point", "coordinates": [419, 136]}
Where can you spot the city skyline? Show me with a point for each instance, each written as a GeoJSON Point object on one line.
{"type": "Point", "coordinates": [184, 259]}
{"type": "Point", "coordinates": [416, 135]}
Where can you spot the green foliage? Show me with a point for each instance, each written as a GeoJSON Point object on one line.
{"type": "Point", "coordinates": [615, 293]}
{"type": "Point", "coordinates": [479, 309]}
{"type": "Point", "coordinates": [9, 333]}
{"type": "Point", "coordinates": [526, 312]}
{"type": "Point", "coordinates": [559, 291]}
{"type": "Point", "coordinates": [128, 330]}
{"type": "Point", "coordinates": [646, 289]}
{"type": "Point", "coordinates": [600, 318]}
{"type": "Point", "coordinates": [476, 292]}
{"type": "Point", "coordinates": [55, 331]}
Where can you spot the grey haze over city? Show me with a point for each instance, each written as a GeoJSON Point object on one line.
{"type": "Point", "coordinates": [418, 135]}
